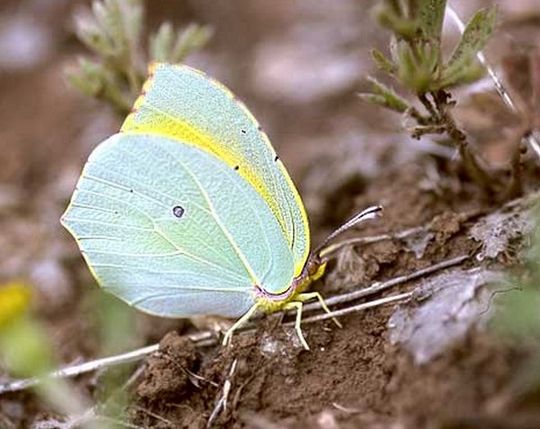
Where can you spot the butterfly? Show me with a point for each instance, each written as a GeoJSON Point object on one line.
{"type": "Point", "coordinates": [188, 210]}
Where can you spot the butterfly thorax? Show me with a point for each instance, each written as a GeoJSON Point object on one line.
{"type": "Point", "coordinates": [272, 302]}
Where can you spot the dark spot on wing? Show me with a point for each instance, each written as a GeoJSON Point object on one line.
{"type": "Point", "coordinates": [131, 190]}
{"type": "Point", "coordinates": [259, 128]}
{"type": "Point", "coordinates": [276, 158]}
{"type": "Point", "coordinates": [243, 131]}
{"type": "Point", "coordinates": [236, 167]}
{"type": "Point", "coordinates": [178, 211]}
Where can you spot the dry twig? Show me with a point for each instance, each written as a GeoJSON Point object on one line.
{"type": "Point", "coordinates": [221, 403]}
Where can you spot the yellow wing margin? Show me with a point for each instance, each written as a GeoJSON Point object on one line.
{"type": "Point", "coordinates": [183, 103]}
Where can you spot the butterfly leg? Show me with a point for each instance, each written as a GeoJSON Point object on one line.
{"type": "Point", "coordinates": [310, 295]}
{"type": "Point", "coordinates": [297, 305]}
{"type": "Point", "coordinates": [240, 322]}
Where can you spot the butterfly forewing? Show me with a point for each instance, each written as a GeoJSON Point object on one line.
{"type": "Point", "coordinates": [187, 106]}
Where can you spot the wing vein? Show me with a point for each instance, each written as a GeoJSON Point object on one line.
{"type": "Point", "coordinates": [218, 221]}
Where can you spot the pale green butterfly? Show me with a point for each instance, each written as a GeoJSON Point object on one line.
{"type": "Point", "coordinates": [189, 211]}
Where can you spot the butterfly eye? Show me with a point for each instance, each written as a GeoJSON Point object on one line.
{"type": "Point", "coordinates": [178, 211]}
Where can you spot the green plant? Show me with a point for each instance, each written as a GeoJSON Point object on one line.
{"type": "Point", "coordinates": [518, 317]}
{"type": "Point", "coordinates": [113, 31]}
{"type": "Point", "coordinates": [26, 352]}
{"type": "Point", "coordinates": [417, 64]}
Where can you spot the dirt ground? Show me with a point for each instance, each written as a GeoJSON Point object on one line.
{"type": "Point", "coordinates": [298, 67]}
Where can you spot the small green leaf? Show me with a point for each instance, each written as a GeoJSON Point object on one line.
{"type": "Point", "coordinates": [191, 39]}
{"type": "Point", "coordinates": [431, 15]}
{"type": "Point", "coordinates": [109, 21]}
{"type": "Point", "coordinates": [467, 74]}
{"type": "Point", "coordinates": [90, 34]}
{"type": "Point", "coordinates": [383, 63]}
{"type": "Point", "coordinates": [406, 65]}
{"type": "Point", "coordinates": [428, 53]}
{"type": "Point", "coordinates": [473, 39]}
{"type": "Point", "coordinates": [95, 80]}
{"type": "Point", "coordinates": [88, 77]}
{"type": "Point", "coordinates": [373, 99]}
{"type": "Point", "coordinates": [112, 30]}
{"type": "Point", "coordinates": [391, 99]}
{"type": "Point", "coordinates": [173, 47]}
{"type": "Point", "coordinates": [161, 43]}
{"type": "Point", "coordinates": [412, 72]}
{"type": "Point", "coordinates": [403, 27]}
{"type": "Point", "coordinates": [103, 14]}
{"type": "Point", "coordinates": [133, 12]}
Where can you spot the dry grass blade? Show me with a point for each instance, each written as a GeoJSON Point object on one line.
{"type": "Point", "coordinates": [355, 308]}
{"type": "Point", "coordinates": [221, 403]}
{"type": "Point", "coordinates": [380, 286]}
{"type": "Point", "coordinates": [76, 370]}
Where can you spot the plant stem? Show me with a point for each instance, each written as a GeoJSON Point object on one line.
{"type": "Point", "coordinates": [429, 106]}
{"type": "Point", "coordinates": [473, 164]}
{"type": "Point", "coordinates": [515, 188]}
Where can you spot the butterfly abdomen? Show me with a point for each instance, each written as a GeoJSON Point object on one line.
{"type": "Point", "coordinates": [270, 303]}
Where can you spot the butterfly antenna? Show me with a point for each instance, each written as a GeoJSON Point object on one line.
{"type": "Point", "coordinates": [369, 213]}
